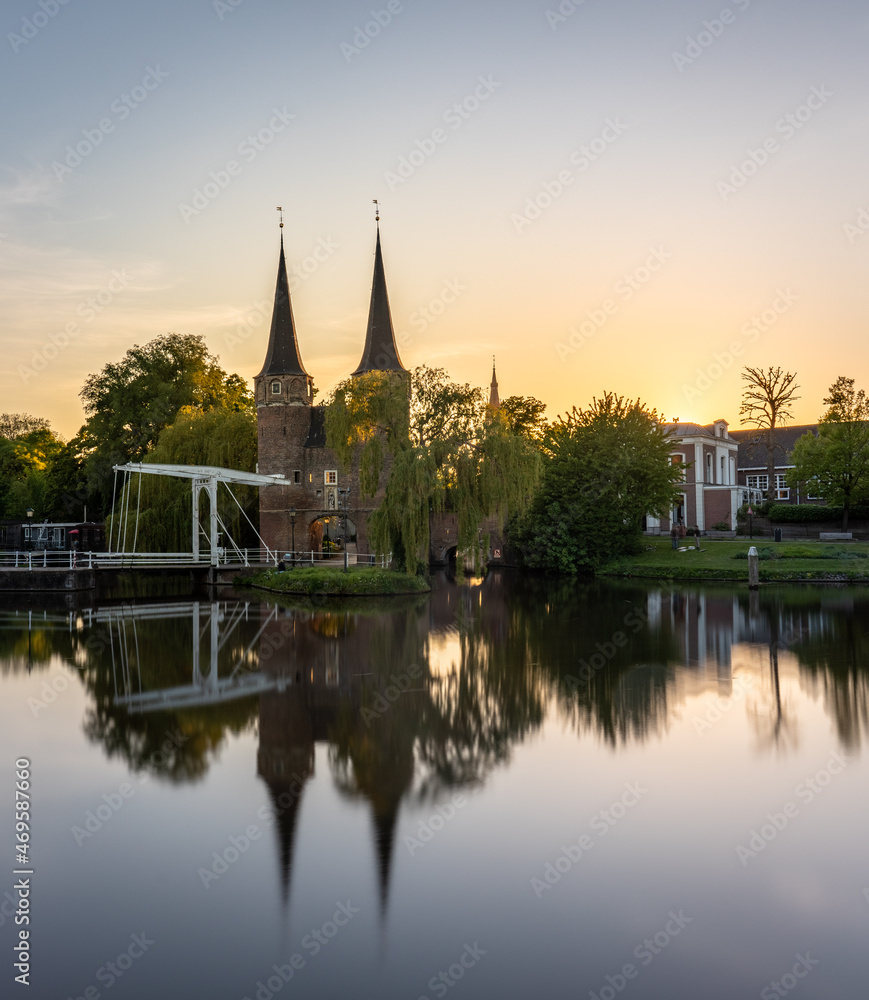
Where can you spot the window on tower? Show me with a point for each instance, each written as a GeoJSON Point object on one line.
{"type": "Point", "coordinates": [331, 477]}
{"type": "Point", "coordinates": [276, 388]}
{"type": "Point", "coordinates": [297, 476]}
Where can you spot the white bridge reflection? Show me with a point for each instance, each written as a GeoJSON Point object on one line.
{"type": "Point", "coordinates": [214, 625]}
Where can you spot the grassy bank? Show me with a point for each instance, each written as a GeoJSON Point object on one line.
{"type": "Point", "coordinates": [723, 559]}
{"type": "Point", "coordinates": [334, 582]}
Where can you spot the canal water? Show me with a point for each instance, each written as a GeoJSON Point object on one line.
{"type": "Point", "coordinates": [511, 787]}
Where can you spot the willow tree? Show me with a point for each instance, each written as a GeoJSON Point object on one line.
{"type": "Point", "coordinates": [425, 444]}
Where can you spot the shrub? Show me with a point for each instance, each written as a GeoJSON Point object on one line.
{"type": "Point", "coordinates": [721, 526]}
{"type": "Point", "coordinates": [784, 513]}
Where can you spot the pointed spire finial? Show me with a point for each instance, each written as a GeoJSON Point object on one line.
{"type": "Point", "coordinates": [376, 210]}
{"type": "Point", "coordinates": [279, 209]}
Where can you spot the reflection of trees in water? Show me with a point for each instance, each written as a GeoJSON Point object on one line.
{"type": "Point", "coordinates": [603, 663]}
{"type": "Point", "coordinates": [833, 651]}
{"type": "Point", "coordinates": [778, 628]}
{"type": "Point", "coordinates": [517, 642]}
{"type": "Point", "coordinates": [174, 745]}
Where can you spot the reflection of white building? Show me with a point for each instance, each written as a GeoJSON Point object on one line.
{"type": "Point", "coordinates": [710, 494]}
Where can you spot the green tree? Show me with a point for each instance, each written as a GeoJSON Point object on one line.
{"type": "Point", "coordinates": [836, 462]}
{"type": "Point", "coordinates": [604, 469]}
{"type": "Point", "coordinates": [524, 415]}
{"type": "Point", "coordinates": [13, 425]}
{"type": "Point", "coordinates": [131, 401]}
{"type": "Point", "coordinates": [430, 445]}
{"type": "Point", "coordinates": [24, 463]}
{"type": "Point", "coordinates": [766, 403]}
{"type": "Point", "coordinates": [67, 496]}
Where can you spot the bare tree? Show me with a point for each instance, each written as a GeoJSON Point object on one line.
{"type": "Point", "coordinates": [766, 402]}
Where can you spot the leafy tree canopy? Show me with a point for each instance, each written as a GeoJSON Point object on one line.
{"type": "Point", "coordinates": [25, 459]}
{"type": "Point", "coordinates": [836, 463]}
{"type": "Point", "coordinates": [131, 401]}
{"type": "Point", "coordinates": [13, 425]}
{"type": "Point", "coordinates": [524, 415]}
{"type": "Point", "coordinates": [432, 445]}
{"type": "Point", "coordinates": [605, 468]}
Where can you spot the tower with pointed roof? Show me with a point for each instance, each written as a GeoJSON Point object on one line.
{"type": "Point", "coordinates": [283, 379]}
{"type": "Point", "coordinates": [380, 353]}
{"type": "Point", "coordinates": [494, 401]}
{"type": "Point", "coordinates": [291, 431]}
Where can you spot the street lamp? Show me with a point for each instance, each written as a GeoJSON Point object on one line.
{"type": "Point", "coordinates": [29, 513]}
{"type": "Point", "coordinates": [293, 523]}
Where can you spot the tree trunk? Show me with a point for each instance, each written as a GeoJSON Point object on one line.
{"type": "Point", "coordinates": [770, 463]}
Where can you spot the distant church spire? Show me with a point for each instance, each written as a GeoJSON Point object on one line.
{"type": "Point", "coordinates": [380, 352]}
{"type": "Point", "coordinates": [282, 356]}
{"type": "Point", "coordinates": [494, 401]}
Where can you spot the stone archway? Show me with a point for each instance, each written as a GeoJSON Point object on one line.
{"type": "Point", "coordinates": [326, 534]}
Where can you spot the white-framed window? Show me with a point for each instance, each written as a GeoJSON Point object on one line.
{"type": "Point", "coordinates": [330, 477]}
{"type": "Point", "coordinates": [276, 388]}
{"type": "Point", "coordinates": [723, 478]}
{"type": "Point", "coordinates": [757, 482]}
{"type": "Point", "coordinates": [781, 487]}
{"type": "Point", "coordinates": [813, 490]}
{"type": "Point", "coordinates": [708, 468]}
{"type": "Point", "coordinates": [677, 458]}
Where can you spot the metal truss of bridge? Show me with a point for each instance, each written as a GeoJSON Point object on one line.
{"type": "Point", "coordinates": [203, 477]}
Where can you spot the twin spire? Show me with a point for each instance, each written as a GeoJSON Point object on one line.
{"type": "Point", "coordinates": [380, 352]}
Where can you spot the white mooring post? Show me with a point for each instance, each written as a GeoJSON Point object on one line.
{"type": "Point", "coordinates": [753, 569]}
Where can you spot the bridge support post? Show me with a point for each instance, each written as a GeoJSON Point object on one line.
{"type": "Point", "coordinates": [212, 496]}
{"type": "Point", "coordinates": [195, 539]}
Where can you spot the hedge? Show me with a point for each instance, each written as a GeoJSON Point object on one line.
{"type": "Point", "coordinates": [784, 513]}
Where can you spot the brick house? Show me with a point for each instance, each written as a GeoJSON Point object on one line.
{"type": "Point", "coordinates": [752, 471]}
{"type": "Point", "coordinates": [710, 492]}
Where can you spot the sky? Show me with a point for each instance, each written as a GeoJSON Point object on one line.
{"type": "Point", "coordinates": [625, 196]}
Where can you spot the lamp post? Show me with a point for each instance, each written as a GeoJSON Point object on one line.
{"type": "Point", "coordinates": [293, 523]}
{"type": "Point", "coordinates": [29, 513]}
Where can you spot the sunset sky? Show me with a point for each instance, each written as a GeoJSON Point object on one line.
{"type": "Point", "coordinates": [623, 195]}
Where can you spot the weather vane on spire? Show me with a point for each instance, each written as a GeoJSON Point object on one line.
{"type": "Point", "coordinates": [376, 210]}
{"type": "Point", "coordinates": [279, 209]}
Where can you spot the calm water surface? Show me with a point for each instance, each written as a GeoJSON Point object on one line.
{"type": "Point", "coordinates": [511, 788]}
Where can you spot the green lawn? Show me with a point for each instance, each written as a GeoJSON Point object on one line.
{"type": "Point", "coordinates": [334, 582]}
{"type": "Point", "coordinates": [723, 559]}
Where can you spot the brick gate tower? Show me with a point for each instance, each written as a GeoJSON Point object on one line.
{"type": "Point", "coordinates": [291, 431]}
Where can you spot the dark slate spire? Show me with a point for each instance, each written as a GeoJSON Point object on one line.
{"type": "Point", "coordinates": [380, 353]}
{"type": "Point", "coordinates": [282, 356]}
{"type": "Point", "coordinates": [494, 401]}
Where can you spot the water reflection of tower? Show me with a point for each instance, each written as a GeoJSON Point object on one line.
{"type": "Point", "coordinates": [326, 664]}
{"type": "Point", "coordinates": [285, 761]}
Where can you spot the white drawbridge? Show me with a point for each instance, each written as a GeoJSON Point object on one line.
{"type": "Point", "coordinates": [204, 477]}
